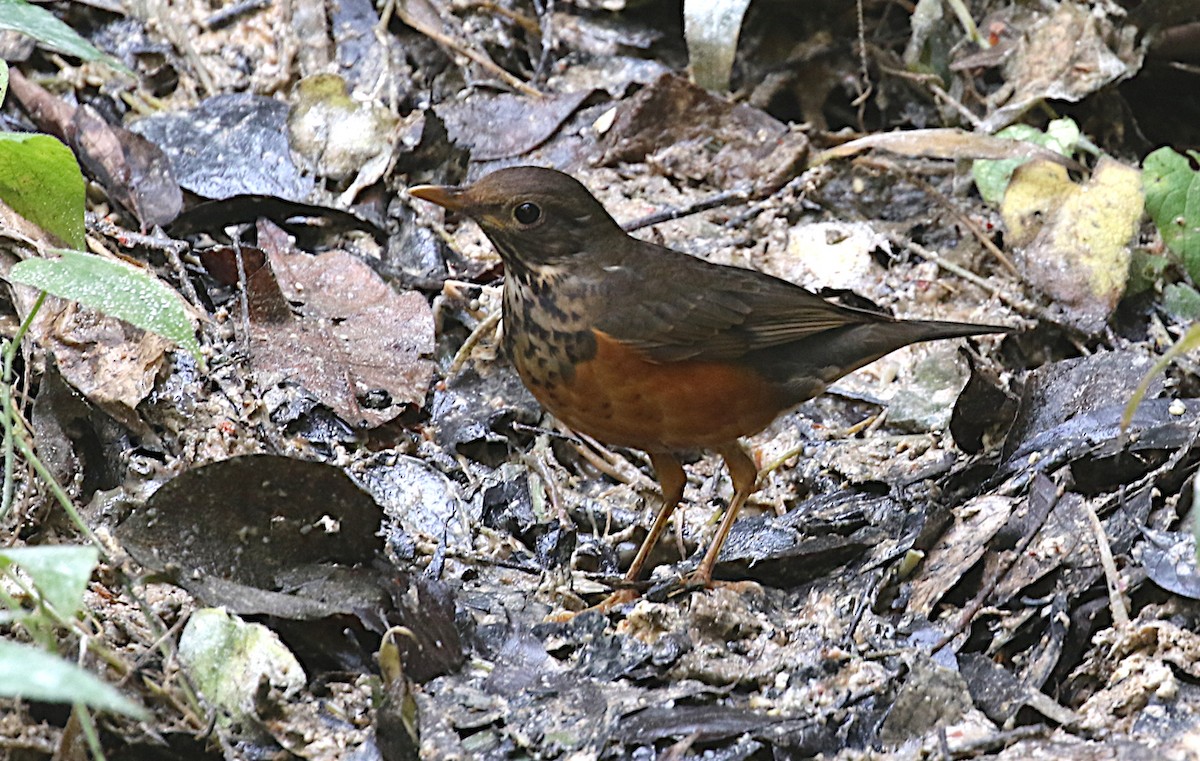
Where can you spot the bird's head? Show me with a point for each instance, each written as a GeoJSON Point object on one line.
{"type": "Point", "coordinates": [533, 216]}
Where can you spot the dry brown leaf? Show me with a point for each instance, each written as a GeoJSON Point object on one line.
{"type": "Point", "coordinates": [134, 171]}
{"type": "Point", "coordinates": [355, 344]}
{"type": "Point", "coordinates": [959, 548]}
{"type": "Point", "coordinates": [945, 144]}
{"type": "Point", "coordinates": [110, 362]}
{"type": "Point", "coordinates": [1066, 56]}
{"type": "Point", "coordinates": [684, 131]}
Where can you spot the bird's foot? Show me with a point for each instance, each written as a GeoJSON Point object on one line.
{"type": "Point", "coordinates": [696, 580]}
{"type": "Point", "coordinates": [615, 600]}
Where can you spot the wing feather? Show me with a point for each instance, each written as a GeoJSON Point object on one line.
{"type": "Point", "coordinates": [708, 312]}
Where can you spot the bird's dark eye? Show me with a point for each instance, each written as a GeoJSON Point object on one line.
{"type": "Point", "coordinates": [527, 213]}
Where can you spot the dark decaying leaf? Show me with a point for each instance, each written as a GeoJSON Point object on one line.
{"type": "Point", "coordinates": [230, 145]}
{"type": "Point", "coordinates": [136, 172]}
{"type": "Point", "coordinates": [810, 540]}
{"type": "Point", "coordinates": [1169, 558]}
{"type": "Point", "coordinates": [1059, 391]}
{"type": "Point", "coordinates": [473, 413]}
{"type": "Point", "coordinates": [958, 550]}
{"type": "Point", "coordinates": [252, 519]}
{"type": "Point", "coordinates": [1070, 412]}
{"type": "Point", "coordinates": [298, 541]}
{"type": "Point", "coordinates": [76, 440]}
{"type": "Point", "coordinates": [312, 225]}
{"type": "Point", "coordinates": [932, 696]}
{"type": "Point", "coordinates": [704, 722]}
{"type": "Point", "coordinates": [984, 410]}
{"type": "Point", "coordinates": [418, 501]}
{"type": "Point", "coordinates": [687, 133]}
{"type": "Point", "coordinates": [994, 689]}
{"type": "Point", "coordinates": [499, 126]}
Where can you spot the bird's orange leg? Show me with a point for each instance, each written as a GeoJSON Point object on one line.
{"type": "Point", "coordinates": [671, 479]}
{"type": "Point", "coordinates": [744, 474]}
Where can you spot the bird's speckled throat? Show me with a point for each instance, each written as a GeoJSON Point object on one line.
{"type": "Point", "coordinates": [545, 335]}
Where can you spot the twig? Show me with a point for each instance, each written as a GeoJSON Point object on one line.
{"type": "Point", "coordinates": [1048, 497]}
{"type": "Point", "coordinates": [670, 213]}
{"type": "Point", "coordinates": [536, 459]}
{"type": "Point", "coordinates": [453, 45]}
{"type": "Point", "coordinates": [157, 241]}
{"type": "Point", "coordinates": [230, 13]}
{"type": "Point", "coordinates": [940, 197]}
{"type": "Point", "coordinates": [1120, 614]}
{"type": "Point", "coordinates": [933, 83]}
{"type": "Point", "coordinates": [485, 327]}
{"type": "Point", "coordinates": [1021, 306]}
{"type": "Point", "coordinates": [545, 11]}
{"type": "Point", "coordinates": [11, 412]}
{"type": "Point", "coordinates": [868, 87]}
{"type": "Point", "coordinates": [606, 461]}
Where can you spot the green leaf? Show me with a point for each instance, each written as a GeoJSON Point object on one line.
{"type": "Point", "coordinates": [1182, 302]}
{"type": "Point", "coordinates": [32, 674]}
{"type": "Point", "coordinates": [991, 177]}
{"type": "Point", "coordinates": [3, 80]}
{"type": "Point", "coordinates": [41, 181]}
{"type": "Point", "coordinates": [1173, 200]}
{"type": "Point", "coordinates": [1145, 270]}
{"type": "Point", "coordinates": [114, 288]}
{"type": "Point", "coordinates": [41, 25]}
{"type": "Point", "coordinates": [59, 573]}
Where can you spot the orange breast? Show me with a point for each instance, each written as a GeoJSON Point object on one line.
{"type": "Point", "coordinates": [621, 398]}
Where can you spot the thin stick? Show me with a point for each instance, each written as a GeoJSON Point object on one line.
{"type": "Point", "coordinates": [453, 45]}
{"type": "Point", "coordinates": [485, 327]}
{"type": "Point", "coordinates": [962, 218]}
{"type": "Point", "coordinates": [1120, 614]}
{"type": "Point", "coordinates": [668, 214]}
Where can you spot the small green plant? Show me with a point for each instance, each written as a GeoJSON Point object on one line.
{"type": "Point", "coordinates": [41, 589]}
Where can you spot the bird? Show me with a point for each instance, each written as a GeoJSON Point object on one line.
{"type": "Point", "coordinates": [642, 346]}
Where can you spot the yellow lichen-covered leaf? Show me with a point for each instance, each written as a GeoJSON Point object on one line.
{"type": "Point", "coordinates": [1097, 223]}
{"type": "Point", "coordinates": [1072, 241]}
{"type": "Point", "coordinates": [1036, 190]}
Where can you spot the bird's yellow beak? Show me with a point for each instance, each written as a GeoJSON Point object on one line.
{"type": "Point", "coordinates": [447, 196]}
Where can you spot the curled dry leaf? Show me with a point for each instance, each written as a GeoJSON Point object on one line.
{"type": "Point", "coordinates": [1065, 56]}
{"type": "Point", "coordinates": [946, 143]}
{"type": "Point", "coordinates": [109, 361]}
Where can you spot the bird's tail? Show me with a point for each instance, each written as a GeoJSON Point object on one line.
{"type": "Point", "coordinates": [868, 342]}
{"type": "Point", "coordinates": [807, 366]}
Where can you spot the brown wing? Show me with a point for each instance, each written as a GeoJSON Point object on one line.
{"type": "Point", "coordinates": [709, 312]}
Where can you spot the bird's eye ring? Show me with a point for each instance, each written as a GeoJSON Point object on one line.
{"type": "Point", "coordinates": [527, 213]}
